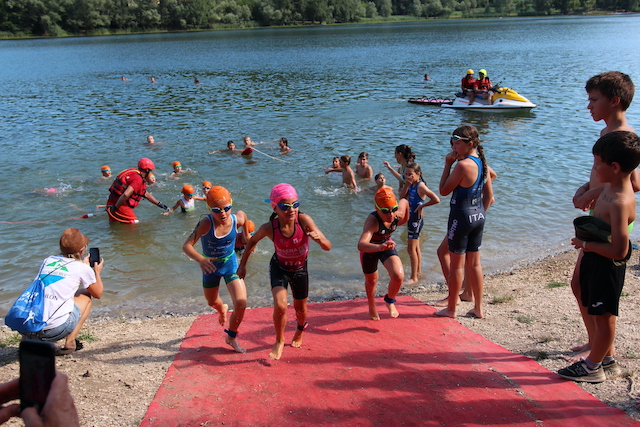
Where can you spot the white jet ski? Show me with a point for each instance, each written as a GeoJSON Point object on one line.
{"type": "Point", "coordinates": [502, 99]}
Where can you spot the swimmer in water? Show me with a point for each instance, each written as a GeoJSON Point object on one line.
{"type": "Point", "coordinates": [231, 148]}
{"type": "Point", "coordinates": [248, 142]}
{"type": "Point", "coordinates": [186, 203]}
{"type": "Point", "coordinates": [151, 179]}
{"type": "Point", "coordinates": [106, 173]}
{"type": "Point", "coordinates": [363, 169]}
{"type": "Point", "coordinates": [206, 187]}
{"type": "Point", "coordinates": [284, 146]}
{"type": "Point", "coordinates": [381, 181]}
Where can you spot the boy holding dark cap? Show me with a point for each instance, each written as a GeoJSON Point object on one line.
{"type": "Point", "coordinates": [603, 264]}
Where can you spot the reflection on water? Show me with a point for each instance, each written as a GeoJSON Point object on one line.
{"type": "Point", "coordinates": [329, 91]}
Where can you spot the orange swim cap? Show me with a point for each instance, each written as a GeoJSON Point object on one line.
{"type": "Point", "coordinates": [207, 184]}
{"type": "Point", "coordinates": [217, 194]}
{"type": "Point", "coordinates": [385, 198]}
{"type": "Point", "coordinates": [105, 168]}
{"type": "Point", "coordinates": [176, 163]}
{"type": "Point", "coordinates": [151, 178]}
{"type": "Point", "coordinates": [251, 227]}
{"type": "Point", "coordinates": [187, 189]}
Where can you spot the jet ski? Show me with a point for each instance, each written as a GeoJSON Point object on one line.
{"type": "Point", "coordinates": [501, 99]}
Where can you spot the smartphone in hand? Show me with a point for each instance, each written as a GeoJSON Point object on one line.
{"type": "Point", "coordinates": [37, 369]}
{"type": "Point", "coordinates": [94, 256]}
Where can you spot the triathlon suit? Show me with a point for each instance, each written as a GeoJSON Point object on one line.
{"type": "Point", "coordinates": [189, 205]}
{"type": "Point", "coordinates": [289, 262]}
{"type": "Point", "coordinates": [125, 179]}
{"type": "Point", "coordinates": [467, 215]}
{"type": "Point", "coordinates": [414, 226]}
{"type": "Point", "coordinates": [221, 250]}
{"type": "Point", "coordinates": [369, 260]}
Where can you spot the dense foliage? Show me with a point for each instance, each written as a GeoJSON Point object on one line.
{"type": "Point", "coordinates": [61, 17]}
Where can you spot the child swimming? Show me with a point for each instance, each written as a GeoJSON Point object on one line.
{"type": "Point", "coordinates": [186, 203]}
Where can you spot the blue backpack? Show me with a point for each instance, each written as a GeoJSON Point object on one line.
{"type": "Point", "coordinates": [26, 314]}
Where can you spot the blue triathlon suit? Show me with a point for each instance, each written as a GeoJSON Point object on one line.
{"type": "Point", "coordinates": [414, 226]}
{"type": "Point", "coordinates": [467, 215]}
{"type": "Point", "coordinates": [369, 260]}
{"type": "Point", "coordinates": [221, 249]}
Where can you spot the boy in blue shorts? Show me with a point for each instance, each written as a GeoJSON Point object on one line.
{"type": "Point", "coordinates": [217, 233]}
{"type": "Point", "coordinates": [602, 268]}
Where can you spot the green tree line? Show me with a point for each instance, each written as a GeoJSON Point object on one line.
{"type": "Point", "coordinates": [74, 17]}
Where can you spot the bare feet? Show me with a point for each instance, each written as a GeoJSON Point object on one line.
{"type": "Point", "coordinates": [233, 342]}
{"type": "Point", "coordinates": [583, 347]}
{"type": "Point", "coordinates": [297, 339]}
{"type": "Point", "coordinates": [466, 297]}
{"type": "Point", "coordinates": [412, 281]}
{"type": "Point", "coordinates": [276, 351]}
{"type": "Point", "coordinates": [373, 313]}
{"type": "Point", "coordinates": [477, 313]}
{"type": "Point", "coordinates": [392, 310]}
{"type": "Point", "coordinates": [444, 302]}
{"type": "Point", "coordinates": [446, 313]}
{"type": "Point", "coordinates": [222, 315]}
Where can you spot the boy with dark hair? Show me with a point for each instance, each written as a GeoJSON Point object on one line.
{"type": "Point", "coordinates": [610, 95]}
{"type": "Point", "coordinates": [603, 264]}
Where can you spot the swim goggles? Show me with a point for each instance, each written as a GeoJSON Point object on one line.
{"type": "Point", "coordinates": [387, 210]}
{"type": "Point", "coordinates": [286, 206]}
{"type": "Point", "coordinates": [206, 188]}
{"type": "Point", "coordinates": [458, 138]}
{"type": "Point", "coordinates": [220, 210]}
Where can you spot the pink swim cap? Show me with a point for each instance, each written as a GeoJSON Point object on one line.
{"type": "Point", "coordinates": [51, 190]}
{"type": "Point", "coordinates": [282, 191]}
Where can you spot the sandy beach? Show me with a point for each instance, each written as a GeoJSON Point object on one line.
{"type": "Point", "coordinates": [530, 311]}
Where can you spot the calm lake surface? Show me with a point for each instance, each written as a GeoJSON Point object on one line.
{"type": "Point", "coordinates": [330, 91]}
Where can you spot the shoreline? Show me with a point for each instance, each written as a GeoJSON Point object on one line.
{"type": "Point", "coordinates": [124, 361]}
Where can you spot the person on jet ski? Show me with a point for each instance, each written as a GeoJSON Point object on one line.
{"type": "Point", "coordinates": [483, 85]}
{"type": "Point", "coordinates": [467, 85]}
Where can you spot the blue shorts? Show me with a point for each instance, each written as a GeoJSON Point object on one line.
{"type": "Point", "coordinates": [60, 332]}
{"type": "Point", "coordinates": [225, 268]}
{"type": "Point", "coordinates": [465, 231]}
{"type": "Point", "coordinates": [414, 226]}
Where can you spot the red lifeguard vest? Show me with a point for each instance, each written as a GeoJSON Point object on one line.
{"type": "Point", "coordinates": [122, 182]}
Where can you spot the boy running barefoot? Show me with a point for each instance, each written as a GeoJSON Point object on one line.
{"type": "Point", "coordinates": [603, 264]}
{"type": "Point", "coordinates": [375, 245]}
{"type": "Point", "coordinates": [610, 94]}
{"type": "Point", "coordinates": [217, 233]}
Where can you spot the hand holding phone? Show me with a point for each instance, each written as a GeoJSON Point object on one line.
{"type": "Point", "coordinates": [94, 256]}
{"type": "Point", "coordinates": [37, 370]}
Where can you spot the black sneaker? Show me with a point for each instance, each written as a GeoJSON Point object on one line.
{"type": "Point", "coordinates": [579, 372]}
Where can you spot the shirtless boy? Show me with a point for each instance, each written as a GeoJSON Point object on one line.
{"type": "Point", "coordinates": [603, 263]}
{"type": "Point", "coordinates": [610, 94]}
{"type": "Point", "coordinates": [348, 177]}
{"type": "Point", "coordinates": [363, 169]}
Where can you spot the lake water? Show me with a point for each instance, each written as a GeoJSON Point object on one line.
{"type": "Point", "coordinates": [330, 91]}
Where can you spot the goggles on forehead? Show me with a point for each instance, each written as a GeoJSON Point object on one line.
{"type": "Point", "coordinates": [458, 138]}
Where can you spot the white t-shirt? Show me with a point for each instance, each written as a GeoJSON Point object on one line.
{"type": "Point", "coordinates": [67, 275]}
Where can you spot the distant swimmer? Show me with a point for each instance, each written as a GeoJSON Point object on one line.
{"type": "Point", "coordinates": [187, 202]}
{"type": "Point", "coordinates": [248, 142]}
{"type": "Point", "coordinates": [427, 78]}
{"type": "Point", "coordinates": [106, 173]}
{"type": "Point", "coordinates": [284, 146]}
{"type": "Point", "coordinates": [153, 79]}
{"type": "Point", "coordinates": [196, 81]}
{"type": "Point", "coordinates": [150, 140]}
{"type": "Point", "coordinates": [231, 148]}
{"type": "Point", "coordinates": [46, 191]}
{"type": "Point", "coordinates": [124, 79]}
{"type": "Point", "coordinates": [127, 190]}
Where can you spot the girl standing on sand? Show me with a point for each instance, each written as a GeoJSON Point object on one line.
{"type": "Point", "coordinates": [416, 192]}
{"type": "Point", "coordinates": [467, 215]}
{"type": "Point", "coordinates": [290, 230]}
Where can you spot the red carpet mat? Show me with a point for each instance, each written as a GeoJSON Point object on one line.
{"type": "Point", "coordinates": [415, 370]}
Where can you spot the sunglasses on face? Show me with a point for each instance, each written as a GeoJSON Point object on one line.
{"type": "Point", "coordinates": [206, 188]}
{"type": "Point", "coordinates": [286, 206]}
{"type": "Point", "coordinates": [220, 210]}
{"type": "Point", "coordinates": [458, 138]}
{"type": "Point", "coordinates": [387, 210]}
